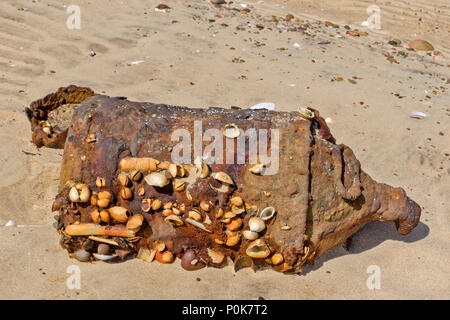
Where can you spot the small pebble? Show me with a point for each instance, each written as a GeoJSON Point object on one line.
{"type": "Point", "coordinates": [103, 248]}
{"type": "Point", "coordinates": [10, 223]}
{"type": "Point", "coordinates": [82, 255]}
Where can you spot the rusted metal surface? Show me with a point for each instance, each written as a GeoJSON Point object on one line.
{"type": "Point", "coordinates": [320, 194]}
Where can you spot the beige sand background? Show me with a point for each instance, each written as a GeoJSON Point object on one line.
{"type": "Point", "coordinates": [190, 62]}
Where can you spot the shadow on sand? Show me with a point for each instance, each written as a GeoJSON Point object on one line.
{"type": "Point", "coordinates": [368, 237]}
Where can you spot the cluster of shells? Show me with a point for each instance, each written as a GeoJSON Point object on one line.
{"type": "Point", "coordinates": [109, 220]}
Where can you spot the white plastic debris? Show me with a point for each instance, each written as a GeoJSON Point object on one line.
{"type": "Point", "coordinates": [365, 23]}
{"type": "Point", "coordinates": [296, 45]}
{"type": "Point", "coordinates": [264, 105]}
{"type": "Point", "coordinates": [243, 5]}
{"type": "Point", "coordinates": [137, 62]}
{"type": "Point", "coordinates": [418, 115]}
{"type": "Point", "coordinates": [10, 223]}
{"type": "Point", "coordinates": [291, 85]}
{"type": "Point", "coordinates": [328, 120]}
{"type": "Point", "coordinates": [92, 53]}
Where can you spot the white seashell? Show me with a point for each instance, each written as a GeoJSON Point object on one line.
{"type": "Point", "coordinates": [256, 224]}
{"type": "Point", "coordinates": [258, 249]}
{"type": "Point", "coordinates": [231, 131]}
{"type": "Point", "coordinates": [174, 220]}
{"type": "Point", "coordinates": [257, 168]}
{"type": "Point", "coordinates": [73, 194]}
{"type": "Point", "coordinates": [264, 105]}
{"type": "Point", "coordinates": [10, 223]}
{"type": "Point", "coordinates": [306, 113]}
{"type": "Point", "coordinates": [197, 224]}
{"type": "Point", "coordinates": [419, 115]}
{"type": "Point", "coordinates": [104, 257]}
{"type": "Point", "coordinates": [207, 220]}
{"type": "Point", "coordinates": [84, 194]}
{"type": "Point", "coordinates": [156, 179]}
{"type": "Point", "coordinates": [250, 235]}
{"type": "Point", "coordinates": [267, 213]}
{"type": "Point", "coordinates": [223, 177]}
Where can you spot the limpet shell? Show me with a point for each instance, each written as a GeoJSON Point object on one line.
{"type": "Point", "coordinates": [100, 182]}
{"type": "Point", "coordinates": [215, 256]}
{"type": "Point", "coordinates": [173, 170]}
{"type": "Point", "coordinates": [104, 257]}
{"type": "Point", "coordinates": [207, 220]}
{"type": "Point", "coordinates": [237, 209]}
{"type": "Point", "coordinates": [306, 113]}
{"type": "Point", "coordinates": [135, 222]}
{"type": "Point", "coordinates": [174, 220]}
{"type": "Point", "coordinates": [277, 258]}
{"type": "Point", "coordinates": [157, 179]}
{"type": "Point", "coordinates": [160, 246]}
{"type": "Point", "coordinates": [223, 177]}
{"type": "Point", "coordinates": [204, 205]}
{"type": "Point", "coordinates": [164, 257]}
{"type": "Point", "coordinates": [267, 213]}
{"type": "Point", "coordinates": [219, 213]}
{"type": "Point", "coordinates": [120, 214]}
{"type": "Point", "coordinates": [95, 216]}
{"type": "Point", "coordinates": [179, 186]}
{"type": "Point", "coordinates": [136, 175]}
{"type": "Point", "coordinates": [197, 224]}
{"type": "Point", "coordinates": [94, 199]}
{"type": "Point", "coordinates": [124, 180]}
{"type": "Point", "coordinates": [229, 215]}
{"type": "Point", "coordinates": [156, 204]}
{"type": "Point", "coordinates": [126, 193]}
{"type": "Point", "coordinates": [250, 235]}
{"type": "Point", "coordinates": [235, 224]}
{"type": "Point", "coordinates": [104, 197]}
{"type": "Point", "coordinates": [195, 215]}
{"type": "Point", "coordinates": [258, 249]}
{"type": "Point", "coordinates": [104, 216]}
{"type": "Point", "coordinates": [233, 240]}
{"type": "Point", "coordinates": [146, 255]}
{"type": "Point", "coordinates": [256, 224]}
{"type": "Point", "coordinates": [257, 168]}
{"type": "Point", "coordinates": [237, 201]}
{"type": "Point", "coordinates": [231, 131]}
{"type": "Point", "coordinates": [85, 193]}
{"type": "Point", "coordinates": [146, 205]}
{"type": "Point", "coordinates": [244, 262]}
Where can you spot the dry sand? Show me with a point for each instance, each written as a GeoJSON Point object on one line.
{"type": "Point", "coordinates": [190, 62]}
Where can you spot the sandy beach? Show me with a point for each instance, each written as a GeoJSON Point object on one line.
{"type": "Point", "coordinates": [199, 55]}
